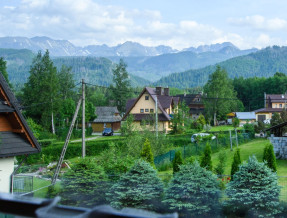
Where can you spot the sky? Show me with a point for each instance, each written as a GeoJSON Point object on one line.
{"type": "Point", "coordinates": [175, 23]}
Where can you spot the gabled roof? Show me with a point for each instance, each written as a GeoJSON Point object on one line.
{"type": "Point", "coordinates": [277, 98]}
{"type": "Point", "coordinates": [269, 110]}
{"type": "Point", "coordinates": [107, 115]}
{"type": "Point", "coordinates": [20, 140]}
{"type": "Point", "coordinates": [164, 102]}
{"type": "Point", "coordinates": [190, 98]}
{"type": "Point", "coordinates": [246, 115]}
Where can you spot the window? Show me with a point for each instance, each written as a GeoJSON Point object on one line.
{"type": "Point", "coordinates": [142, 110]}
{"type": "Point", "coordinates": [146, 97]}
{"type": "Point", "coordinates": [147, 110]}
{"type": "Point", "coordinates": [280, 105]}
{"type": "Point", "coordinates": [151, 110]}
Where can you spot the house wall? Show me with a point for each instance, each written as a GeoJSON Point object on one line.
{"type": "Point", "coordinates": [5, 124]}
{"type": "Point", "coordinates": [162, 126]}
{"type": "Point", "coordinates": [144, 104]}
{"type": "Point", "coordinates": [268, 115]}
{"type": "Point", "coordinates": [278, 105]}
{"type": "Point", "coordinates": [6, 169]}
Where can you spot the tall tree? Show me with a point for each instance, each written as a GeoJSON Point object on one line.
{"type": "Point", "coordinates": [220, 98]}
{"type": "Point", "coordinates": [41, 91]}
{"type": "Point", "coordinates": [121, 89]}
{"type": "Point", "coordinates": [3, 70]}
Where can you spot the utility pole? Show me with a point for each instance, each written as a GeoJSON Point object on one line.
{"type": "Point", "coordinates": [83, 121]}
{"type": "Point", "coordinates": [156, 118]}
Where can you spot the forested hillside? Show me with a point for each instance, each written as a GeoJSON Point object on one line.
{"type": "Point", "coordinates": [159, 66]}
{"type": "Point", "coordinates": [93, 70]}
{"type": "Point", "coordinates": [263, 63]}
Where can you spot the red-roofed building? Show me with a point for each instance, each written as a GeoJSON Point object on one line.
{"type": "Point", "coordinates": [143, 108]}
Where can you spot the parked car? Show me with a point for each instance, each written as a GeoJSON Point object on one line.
{"type": "Point", "coordinates": [193, 137]}
{"type": "Point", "coordinates": [108, 131]}
{"type": "Point", "coordinates": [267, 121]}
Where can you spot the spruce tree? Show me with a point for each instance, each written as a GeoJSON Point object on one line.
{"type": "Point", "coordinates": [254, 191]}
{"type": "Point", "coordinates": [138, 188]}
{"type": "Point", "coordinates": [3, 70]}
{"type": "Point", "coordinates": [193, 191]}
{"type": "Point", "coordinates": [177, 161]}
{"type": "Point", "coordinates": [236, 162]}
{"type": "Point", "coordinates": [146, 153]}
{"type": "Point", "coordinates": [269, 157]}
{"type": "Point", "coordinates": [206, 158]}
{"type": "Point", "coordinates": [84, 184]}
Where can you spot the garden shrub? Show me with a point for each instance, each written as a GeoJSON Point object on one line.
{"type": "Point", "coordinates": [236, 162]}
{"type": "Point", "coordinates": [146, 153]}
{"type": "Point", "coordinates": [254, 191]}
{"type": "Point", "coordinates": [269, 157]}
{"type": "Point", "coordinates": [206, 158]}
{"type": "Point", "coordinates": [193, 191]}
{"type": "Point", "coordinates": [177, 161]}
{"type": "Point", "coordinates": [219, 169]}
{"type": "Point", "coordinates": [138, 188]}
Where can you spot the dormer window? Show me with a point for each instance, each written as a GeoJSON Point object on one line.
{"type": "Point", "coordinates": [147, 97]}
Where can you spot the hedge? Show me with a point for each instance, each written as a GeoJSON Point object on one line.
{"type": "Point", "coordinates": [53, 152]}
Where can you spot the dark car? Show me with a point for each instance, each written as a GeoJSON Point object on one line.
{"type": "Point", "coordinates": [108, 131]}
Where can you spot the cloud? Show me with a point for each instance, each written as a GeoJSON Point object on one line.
{"type": "Point", "coordinates": [87, 22]}
{"type": "Point", "coordinates": [259, 22]}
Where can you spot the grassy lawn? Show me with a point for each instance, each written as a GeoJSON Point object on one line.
{"type": "Point", "coordinates": [223, 128]}
{"type": "Point", "coordinates": [39, 183]}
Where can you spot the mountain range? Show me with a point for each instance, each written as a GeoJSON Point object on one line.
{"type": "Point", "coordinates": [263, 63]}
{"type": "Point", "coordinates": [127, 49]}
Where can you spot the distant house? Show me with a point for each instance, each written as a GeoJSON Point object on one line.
{"type": "Point", "coordinates": [243, 117]}
{"type": "Point", "coordinates": [272, 103]}
{"type": "Point", "coordinates": [143, 108]}
{"type": "Point", "coordinates": [107, 117]}
{"type": "Point", "coordinates": [15, 136]}
{"type": "Point", "coordinates": [194, 102]}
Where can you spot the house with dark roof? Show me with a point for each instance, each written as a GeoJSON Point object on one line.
{"type": "Point", "coordinates": [194, 102]}
{"type": "Point", "coordinates": [143, 108]}
{"type": "Point", "coordinates": [273, 103]}
{"type": "Point", "coordinates": [107, 117]}
{"type": "Point", "coordinates": [16, 137]}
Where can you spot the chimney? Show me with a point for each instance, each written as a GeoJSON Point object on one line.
{"type": "Point", "coordinates": [158, 90]}
{"type": "Point", "coordinates": [166, 91]}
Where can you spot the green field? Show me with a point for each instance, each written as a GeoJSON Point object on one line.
{"type": "Point", "coordinates": [223, 128]}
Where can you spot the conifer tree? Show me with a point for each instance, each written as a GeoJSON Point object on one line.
{"type": "Point", "coordinates": [193, 192]}
{"type": "Point", "coordinates": [146, 153]}
{"type": "Point", "coordinates": [177, 161]}
{"type": "Point", "coordinates": [83, 185]}
{"type": "Point", "coordinates": [219, 169]}
{"type": "Point", "coordinates": [206, 158]}
{"type": "Point", "coordinates": [3, 70]}
{"type": "Point", "coordinates": [254, 191]}
{"type": "Point", "coordinates": [236, 162]}
{"type": "Point", "coordinates": [138, 188]}
{"type": "Point", "coordinates": [269, 157]}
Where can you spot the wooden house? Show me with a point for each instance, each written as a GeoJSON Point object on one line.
{"type": "Point", "coordinates": [15, 136]}
{"type": "Point", "coordinates": [107, 117]}
{"type": "Point", "coordinates": [143, 108]}
{"type": "Point", "coordinates": [194, 103]}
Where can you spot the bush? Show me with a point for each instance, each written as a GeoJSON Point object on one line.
{"type": "Point", "coordinates": [254, 191]}
{"type": "Point", "coordinates": [269, 157]}
{"type": "Point", "coordinates": [177, 161]}
{"type": "Point", "coordinates": [206, 158]}
{"type": "Point", "coordinates": [236, 162]}
{"type": "Point", "coordinates": [193, 192]}
{"type": "Point", "coordinates": [147, 154]}
{"type": "Point", "coordinates": [219, 169]}
{"type": "Point", "coordinates": [139, 188]}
